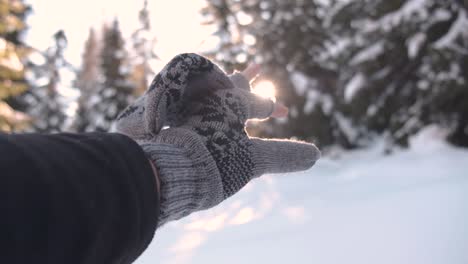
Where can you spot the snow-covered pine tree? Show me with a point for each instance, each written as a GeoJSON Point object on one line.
{"type": "Point", "coordinates": [116, 90]}
{"type": "Point", "coordinates": [49, 99]}
{"type": "Point", "coordinates": [235, 45]}
{"type": "Point", "coordinates": [143, 55]}
{"type": "Point", "coordinates": [404, 66]}
{"type": "Point", "coordinates": [12, 69]}
{"type": "Point", "coordinates": [350, 70]}
{"type": "Point", "coordinates": [288, 38]}
{"type": "Point", "coordinates": [88, 81]}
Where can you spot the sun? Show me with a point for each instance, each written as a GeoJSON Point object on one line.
{"type": "Point", "coordinates": [265, 89]}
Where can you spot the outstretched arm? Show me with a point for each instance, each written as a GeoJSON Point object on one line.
{"type": "Point", "coordinates": [75, 198]}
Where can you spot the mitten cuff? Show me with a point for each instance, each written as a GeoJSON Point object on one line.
{"type": "Point", "coordinates": [190, 180]}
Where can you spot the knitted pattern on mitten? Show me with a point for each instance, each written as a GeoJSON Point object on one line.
{"type": "Point", "coordinates": [165, 103]}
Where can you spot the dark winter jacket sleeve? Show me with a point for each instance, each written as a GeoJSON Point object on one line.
{"type": "Point", "coordinates": [75, 198]}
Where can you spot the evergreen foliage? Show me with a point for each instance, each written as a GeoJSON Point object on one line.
{"type": "Point", "coordinates": [143, 55]}
{"type": "Point", "coordinates": [104, 94]}
{"type": "Point", "coordinates": [351, 70]}
{"type": "Point", "coordinates": [49, 102]}
{"type": "Point", "coordinates": [88, 81]}
{"type": "Point", "coordinates": [12, 69]}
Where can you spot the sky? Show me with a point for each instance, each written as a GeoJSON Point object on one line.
{"type": "Point", "coordinates": [175, 23]}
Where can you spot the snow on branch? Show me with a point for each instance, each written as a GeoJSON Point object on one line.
{"type": "Point", "coordinates": [459, 27]}
{"type": "Point", "coordinates": [353, 86]}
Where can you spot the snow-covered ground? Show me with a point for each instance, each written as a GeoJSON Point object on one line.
{"type": "Point", "coordinates": [408, 207]}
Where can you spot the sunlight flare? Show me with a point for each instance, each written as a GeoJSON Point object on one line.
{"type": "Point", "coordinates": [265, 89]}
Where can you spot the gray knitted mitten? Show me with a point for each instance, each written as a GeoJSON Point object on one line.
{"type": "Point", "coordinates": [166, 102]}
{"type": "Point", "coordinates": [206, 155]}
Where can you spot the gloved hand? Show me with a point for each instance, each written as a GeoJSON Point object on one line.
{"type": "Point", "coordinates": [205, 156]}
{"type": "Point", "coordinates": [167, 101]}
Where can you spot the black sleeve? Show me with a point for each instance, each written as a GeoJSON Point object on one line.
{"type": "Point", "coordinates": [75, 198]}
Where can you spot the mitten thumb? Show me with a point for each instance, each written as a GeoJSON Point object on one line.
{"type": "Point", "coordinates": [280, 156]}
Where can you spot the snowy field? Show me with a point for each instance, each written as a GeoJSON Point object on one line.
{"type": "Point", "coordinates": [363, 207]}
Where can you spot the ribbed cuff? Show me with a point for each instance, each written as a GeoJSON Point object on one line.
{"type": "Point", "coordinates": [190, 180]}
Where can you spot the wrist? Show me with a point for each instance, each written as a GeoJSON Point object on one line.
{"type": "Point", "coordinates": [189, 178]}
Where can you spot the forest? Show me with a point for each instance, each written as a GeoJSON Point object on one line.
{"type": "Point", "coordinates": [350, 71]}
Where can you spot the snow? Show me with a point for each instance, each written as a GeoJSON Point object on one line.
{"type": "Point", "coordinates": [334, 11]}
{"type": "Point", "coordinates": [308, 87]}
{"type": "Point", "coordinates": [409, 125]}
{"type": "Point", "coordinates": [372, 110]}
{"type": "Point", "coordinates": [315, 97]}
{"type": "Point", "coordinates": [406, 11]}
{"type": "Point", "coordinates": [300, 81]}
{"type": "Point", "coordinates": [346, 127]}
{"type": "Point", "coordinates": [335, 48]}
{"type": "Point", "coordinates": [364, 208]}
{"type": "Point", "coordinates": [414, 44]}
{"type": "Point", "coordinates": [353, 86]}
{"type": "Point", "coordinates": [441, 15]}
{"type": "Point", "coordinates": [369, 53]}
{"type": "Point", "coordinates": [459, 27]}
{"type": "Point", "coordinates": [327, 104]}
{"type": "Point", "coordinates": [411, 7]}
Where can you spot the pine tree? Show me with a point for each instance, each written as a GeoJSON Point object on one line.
{"type": "Point", "coordinates": [404, 67]}
{"type": "Point", "coordinates": [286, 37]}
{"type": "Point", "coordinates": [12, 69]}
{"type": "Point", "coordinates": [115, 90]}
{"type": "Point", "coordinates": [48, 101]}
{"type": "Point", "coordinates": [232, 52]}
{"type": "Point", "coordinates": [143, 52]}
{"type": "Point", "coordinates": [88, 81]}
{"type": "Point", "coordinates": [350, 70]}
